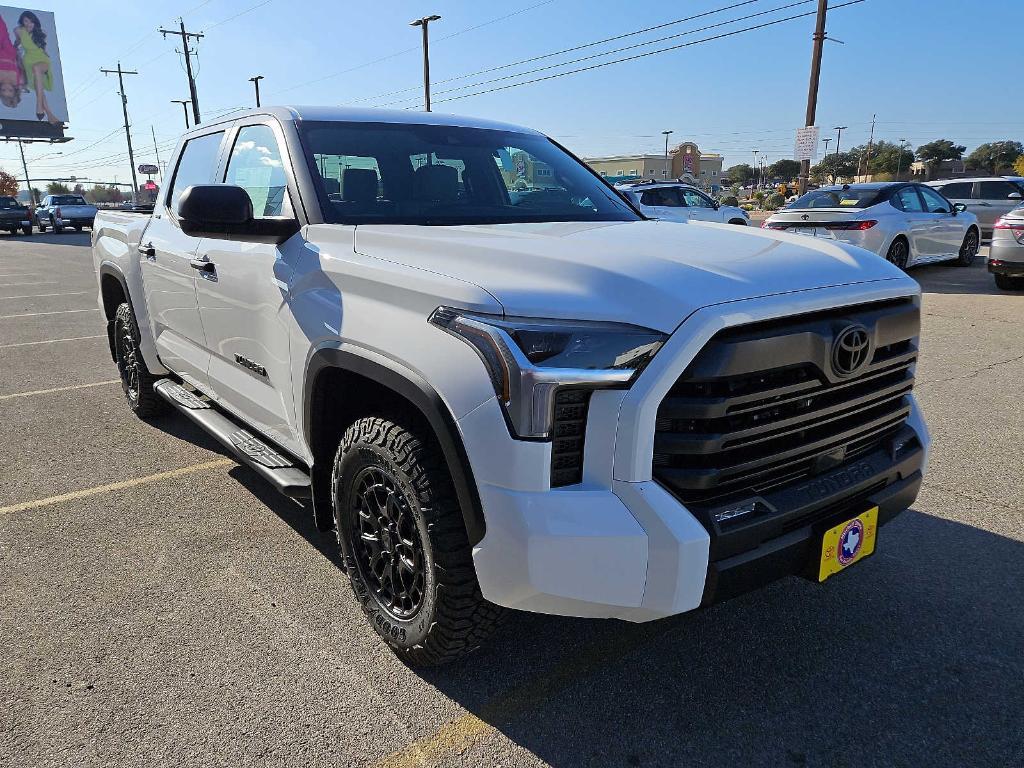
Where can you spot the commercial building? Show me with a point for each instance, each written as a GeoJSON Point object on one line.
{"type": "Point", "coordinates": [685, 161]}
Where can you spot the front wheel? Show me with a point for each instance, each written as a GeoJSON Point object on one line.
{"type": "Point", "coordinates": [969, 249]}
{"type": "Point", "coordinates": [136, 380]}
{"type": "Point", "coordinates": [899, 253]}
{"type": "Point", "coordinates": [1009, 283]}
{"type": "Point", "coordinates": [740, 222]}
{"type": "Point", "coordinates": [404, 544]}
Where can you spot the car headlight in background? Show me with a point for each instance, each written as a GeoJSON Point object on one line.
{"type": "Point", "coordinates": [528, 359]}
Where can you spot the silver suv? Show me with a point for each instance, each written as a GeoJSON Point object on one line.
{"type": "Point", "coordinates": [676, 201]}
{"type": "Point", "coordinates": [987, 197]}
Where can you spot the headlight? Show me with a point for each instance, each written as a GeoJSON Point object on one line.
{"type": "Point", "coordinates": [529, 359]}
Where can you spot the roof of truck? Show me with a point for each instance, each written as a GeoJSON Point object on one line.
{"type": "Point", "coordinates": [356, 115]}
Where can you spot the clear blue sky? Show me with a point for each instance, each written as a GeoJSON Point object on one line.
{"type": "Point", "coordinates": [928, 69]}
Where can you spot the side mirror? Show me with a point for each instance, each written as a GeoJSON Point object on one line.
{"type": "Point", "coordinates": [224, 211]}
{"type": "Point", "coordinates": [959, 208]}
{"type": "Point", "coordinates": [716, 204]}
{"type": "Point", "coordinates": [1014, 196]}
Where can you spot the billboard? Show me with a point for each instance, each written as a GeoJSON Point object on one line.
{"type": "Point", "coordinates": [32, 99]}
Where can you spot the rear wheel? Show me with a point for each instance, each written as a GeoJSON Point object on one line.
{"type": "Point", "coordinates": [741, 222]}
{"type": "Point", "coordinates": [404, 545]}
{"type": "Point", "coordinates": [41, 225]}
{"type": "Point", "coordinates": [78, 227]}
{"type": "Point", "coordinates": [136, 380]}
{"type": "Point", "coordinates": [969, 249]}
{"type": "Point", "coordinates": [56, 228]}
{"type": "Point", "coordinates": [1009, 283]}
{"type": "Point", "coordinates": [27, 229]}
{"type": "Point", "coordinates": [899, 253]}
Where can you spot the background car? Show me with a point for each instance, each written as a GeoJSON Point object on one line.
{"type": "Point", "coordinates": [987, 197]}
{"type": "Point", "coordinates": [14, 217]}
{"type": "Point", "coordinates": [1006, 255]}
{"type": "Point", "coordinates": [60, 211]}
{"type": "Point", "coordinates": [675, 201]}
{"type": "Point", "coordinates": [908, 224]}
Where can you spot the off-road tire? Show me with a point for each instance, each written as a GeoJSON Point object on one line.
{"type": "Point", "coordinates": [1009, 283]}
{"type": "Point", "coordinates": [898, 253]}
{"type": "Point", "coordinates": [136, 380]}
{"type": "Point", "coordinates": [451, 617]}
{"type": "Point", "coordinates": [969, 248]}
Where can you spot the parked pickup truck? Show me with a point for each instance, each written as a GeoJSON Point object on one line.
{"type": "Point", "coordinates": [15, 217]}
{"type": "Point", "coordinates": [60, 211]}
{"type": "Point", "coordinates": [540, 402]}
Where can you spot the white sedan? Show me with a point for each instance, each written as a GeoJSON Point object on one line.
{"type": "Point", "coordinates": [908, 224]}
{"type": "Point", "coordinates": [676, 201]}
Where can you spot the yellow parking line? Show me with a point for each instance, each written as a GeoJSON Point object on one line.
{"type": "Point", "coordinates": [59, 389]}
{"type": "Point", "coordinates": [51, 341]}
{"type": "Point", "coordinates": [99, 489]}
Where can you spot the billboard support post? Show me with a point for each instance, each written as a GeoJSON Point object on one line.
{"type": "Point", "coordinates": [24, 167]}
{"type": "Point", "coordinates": [127, 130]}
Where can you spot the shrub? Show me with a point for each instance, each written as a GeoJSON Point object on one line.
{"type": "Point", "coordinates": [729, 200]}
{"type": "Point", "coordinates": [774, 201]}
{"type": "Point", "coordinates": [747, 207]}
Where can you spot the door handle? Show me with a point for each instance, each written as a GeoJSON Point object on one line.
{"type": "Point", "coordinates": [148, 251]}
{"type": "Point", "coordinates": [204, 266]}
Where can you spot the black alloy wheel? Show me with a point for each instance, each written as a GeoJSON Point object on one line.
{"type": "Point", "coordinates": [899, 253]}
{"type": "Point", "coordinates": [969, 249]}
{"type": "Point", "coordinates": [386, 543]}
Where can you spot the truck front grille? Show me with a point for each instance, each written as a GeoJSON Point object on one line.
{"type": "Point", "coordinates": [761, 406]}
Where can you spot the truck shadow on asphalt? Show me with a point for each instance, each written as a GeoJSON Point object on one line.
{"type": "Point", "coordinates": [67, 237]}
{"type": "Point", "coordinates": [913, 657]}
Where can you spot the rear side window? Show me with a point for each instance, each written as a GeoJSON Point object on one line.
{"type": "Point", "coordinates": [257, 167]}
{"type": "Point", "coordinates": [665, 197]}
{"type": "Point", "coordinates": [198, 165]}
{"type": "Point", "coordinates": [959, 191]}
{"type": "Point", "coordinates": [996, 190]}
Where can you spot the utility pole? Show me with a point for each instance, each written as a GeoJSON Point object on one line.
{"type": "Point", "coordinates": [867, 159]}
{"type": "Point", "coordinates": [127, 129]}
{"type": "Point", "coordinates": [424, 23]}
{"type": "Point", "coordinates": [157, 152]}
{"type": "Point", "coordinates": [839, 136]}
{"type": "Point", "coordinates": [188, 61]}
{"type": "Point", "coordinates": [753, 176]}
{"type": "Point", "coordinates": [184, 107]}
{"type": "Point", "coordinates": [825, 141]}
{"type": "Point", "coordinates": [666, 134]}
{"type": "Point", "coordinates": [256, 81]}
{"type": "Point", "coordinates": [812, 86]}
{"type": "Point", "coordinates": [899, 159]}
{"type": "Point", "coordinates": [24, 167]}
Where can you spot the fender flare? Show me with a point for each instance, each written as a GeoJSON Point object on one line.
{"type": "Point", "coordinates": [108, 269]}
{"type": "Point", "coordinates": [417, 391]}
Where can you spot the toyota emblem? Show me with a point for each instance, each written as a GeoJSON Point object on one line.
{"type": "Point", "coordinates": [850, 350]}
{"type": "Point", "coordinates": [805, 216]}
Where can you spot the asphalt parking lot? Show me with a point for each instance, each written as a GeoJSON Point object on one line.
{"type": "Point", "coordinates": [162, 606]}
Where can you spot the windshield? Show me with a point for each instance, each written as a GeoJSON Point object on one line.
{"type": "Point", "coordinates": [6, 203]}
{"type": "Point", "coordinates": [68, 200]}
{"type": "Point", "coordinates": [837, 198]}
{"type": "Point", "coordinates": [396, 173]}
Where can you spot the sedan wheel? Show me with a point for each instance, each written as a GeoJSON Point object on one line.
{"type": "Point", "coordinates": [899, 253]}
{"type": "Point", "coordinates": [969, 249]}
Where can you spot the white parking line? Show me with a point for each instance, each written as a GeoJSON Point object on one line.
{"type": "Point", "coordinates": [39, 314]}
{"type": "Point", "coordinates": [51, 341]}
{"type": "Point", "coordinates": [59, 389]}
{"type": "Point", "coordinates": [44, 295]}
{"type": "Point", "coordinates": [44, 282]}
{"type": "Point", "coordinates": [85, 492]}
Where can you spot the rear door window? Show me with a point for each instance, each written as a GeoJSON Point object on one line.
{"type": "Point", "coordinates": [996, 190]}
{"type": "Point", "coordinates": [665, 197]}
{"type": "Point", "coordinates": [198, 165]}
{"type": "Point", "coordinates": [961, 190]}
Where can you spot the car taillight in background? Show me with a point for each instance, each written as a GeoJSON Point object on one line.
{"type": "Point", "coordinates": [1015, 226]}
{"type": "Point", "coordinates": [56, 212]}
{"type": "Point", "coordinates": [856, 226]}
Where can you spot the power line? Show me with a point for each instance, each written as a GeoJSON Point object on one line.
{"type": "Point", "coordinates": [622, 49]}
{"type": "Point", "coordinates": [645, 54]}
{"type": "Point", "coordinates": [242, 13]}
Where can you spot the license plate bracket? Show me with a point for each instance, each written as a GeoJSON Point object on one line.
{"type": "Point", "coordinates": [846, 544]}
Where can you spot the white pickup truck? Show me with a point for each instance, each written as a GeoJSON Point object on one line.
{"type": "Point", "coordinates": [543, 402]}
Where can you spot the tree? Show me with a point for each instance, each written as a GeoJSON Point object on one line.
{"type": "Point", "coordinates": [56, 188]}
{"type": "Point", "coordinates": [995, 155]}
{"type": "Point", "coordinates": [886, 158]}
{"type": "Point", "coordinates": [787, 170]}
{"type": "Point", "coordinates": [834, 167]}
{"type": "Point", "coordinates": [102, 194]}
{"type": "Point", "coordinates": [8, 184]}
{"type": "Point", "coordinates": [934, 152]}
{"type": "Point", "coordinates": [1018, 166]}
{"type": "Point", "coordinates": [741, 174]}
{"type": "Point", "coordinates": [79, 189]}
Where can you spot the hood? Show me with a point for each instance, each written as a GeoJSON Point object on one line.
{"type": "Point", "coordinates": [648, 273]}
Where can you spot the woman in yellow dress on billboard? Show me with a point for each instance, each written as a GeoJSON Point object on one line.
{"type": "Point", "coordinates": [36, 62]}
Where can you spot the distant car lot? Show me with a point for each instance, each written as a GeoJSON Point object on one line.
{"type": "Point", "coordinates": [163, 606]}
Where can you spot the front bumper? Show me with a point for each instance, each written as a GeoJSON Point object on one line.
{"type": "Point", "coordinates": [619, 545]}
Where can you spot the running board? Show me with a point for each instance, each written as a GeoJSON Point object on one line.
{"type": "Point", "coordinates": [250, 450]}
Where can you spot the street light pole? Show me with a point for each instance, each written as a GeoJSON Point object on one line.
{"type": "Point", "coordinates": [899, 159]}
{"type": "Point", "coordinates": [425, 23]}
{"type": "Point", "coordinates": [666, 134]}
{"type": "Point", "coordinates": [184, 106]}
{"type": "Point", "coordinates": [256, 82]}
{"type": "Point", "coordinates": [24, 167]}
{"type": "Point", "coordinates": [839, 136]}
{"type": "Point", "coordinates": [753, 178]}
